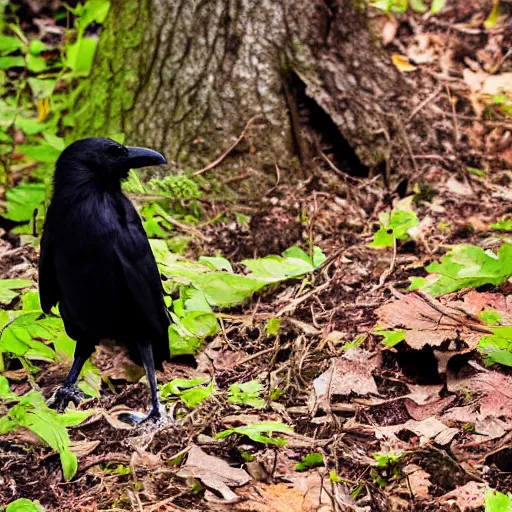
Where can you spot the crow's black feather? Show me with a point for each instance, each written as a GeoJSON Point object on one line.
{"type": "Point", "coordinates": [96, 261]}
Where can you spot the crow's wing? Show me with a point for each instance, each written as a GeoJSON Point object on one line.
{"type": "Point", "coordinates": [141, 275]}
{"type": "Point", "coordinates": [49, 292]}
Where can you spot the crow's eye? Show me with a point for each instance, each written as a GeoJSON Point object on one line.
{"type": "Point", "coordinates": [116, 151]}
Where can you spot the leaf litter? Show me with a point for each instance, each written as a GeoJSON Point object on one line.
{"type": "Point", "coordinates": [257, 401]}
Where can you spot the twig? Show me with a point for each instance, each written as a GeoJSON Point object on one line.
{"type": "Point", "coordinates": [278, 179]}
{"type": "Point", "coordinates": [183, 227]}
{"type": "Point", "coordinates": [454, 114]}
{"type": "Point", "coordinates": [423, 104]}
{"type": "Point", "coordinates": [228, 151]}
{"type": "Point", "coordinates": [389, 271]}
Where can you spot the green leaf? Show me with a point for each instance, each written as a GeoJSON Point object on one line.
{"type": "Point", "coordinates": [469, 266]}
{"type": "Point", "coordinates": [497, 347]}
{"type": "Point", "coordinates": [42, 152]}
{"type": "Point", "coordinates": [496, 501]}
{"type": "Point", "coordinates": [476, 172]}
{"type": "Point", "coordinates": [36, 47]}
{"type": "Point", "coordinates": [30, 125]}
{"type": "Point", "coordinates": [217, 263]}
{"type": "Point", "coordinates": [493, 17]}
{"type": "Point", "coordinates": [503, 224]}
{"type": "Point", "coordinates": [490, 316]}
{"type": "Point", "coordinates": [437, 6]}
{"type": "Point", "coordinates": [93, 11]}
{"type": "Point", "coordinates": [259, 432]}
{"type": "Point", "coordinates": [191, 391]}
{"type": "Point", "coordinates": [41, 88]}
{"type": "Point", "coordinates": [12, 62]}
{"type": "Point", "coordinates": [247, 393]}
{"type": "Point", "coordinates": [273, 326]}
{"type": "Point", "coordinates": [35, 64]}
{"type": "Point", "coordinates": [418, 6]}
{"type": "Point", "coordinates": [310, 461]}
{"type": "Point", "coordinates": [80, 56]}
{"type": "Point", "coordinates": [394, 225]}
{"type": "Point", "coordinates": [24, 505]}
{"type": "Point", "coordinates": [391, 338]}
{"type": "Point", "coordinates": [9, 289]}
{"type": "Point", "coordinates": [9, 44]}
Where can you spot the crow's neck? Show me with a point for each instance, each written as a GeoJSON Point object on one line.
{"type": "Point", "coordinates": [80, 183]}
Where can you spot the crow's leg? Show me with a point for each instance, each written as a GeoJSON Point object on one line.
{"type": "Point", "coordinates": [146, 353]}
{"type": "Point", "coordinates": [69, 391]}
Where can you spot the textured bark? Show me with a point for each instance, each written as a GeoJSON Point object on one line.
{"type": "Point", "coordinates": [184, 76]}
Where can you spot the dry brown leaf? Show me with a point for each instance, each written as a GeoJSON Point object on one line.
{"type": "Point", "coordinates": [349, 374]}
{"type": "Point", "coordinates": [419, 481]}
{"type": "Point", "coordinates": [304, 495]}
{"type": "Point", "coordinates": [470, 496]}
{"type": "Point", "coordinates": [214, 473]}
{"type": "Point", "coordinates": [389, 31]}
{"type": "Point", "coordinates": [83, 448]}
{"type": "Point", "coordinates": [402, 63]}
{"type": "Point", "coordinates": [426, 323]}
{"type": "Point", "coordinates": [420, 412]}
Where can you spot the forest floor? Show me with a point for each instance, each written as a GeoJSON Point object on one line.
{"type": "Point", "coordinates": [422, 424]}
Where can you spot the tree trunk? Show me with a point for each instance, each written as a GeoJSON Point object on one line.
{"type": "Point", "coordinates": [184, 77]}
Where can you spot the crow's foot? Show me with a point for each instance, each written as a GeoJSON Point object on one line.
{"type": "Point", "coordinates": [64, 395]}
{"type": "Point", "coordinates": [156, 417]}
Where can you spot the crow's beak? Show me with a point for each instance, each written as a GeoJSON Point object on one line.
{"type": "Point", "coordinates": [143, 157]}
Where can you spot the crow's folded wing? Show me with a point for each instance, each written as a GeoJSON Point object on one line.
{"type": "Point", "coordinates": [49, 292]}
{"type": "Point", "coordinates": [141, 274]}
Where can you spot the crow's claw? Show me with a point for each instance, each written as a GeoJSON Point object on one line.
{"type": "Point", "coordinates": [64, 395]}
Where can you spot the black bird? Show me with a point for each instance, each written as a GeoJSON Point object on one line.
{"type": "Point", "coordinates": [97, 264]}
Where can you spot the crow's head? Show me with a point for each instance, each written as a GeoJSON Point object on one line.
{"type": "Point", "coordinates": [102, 160]}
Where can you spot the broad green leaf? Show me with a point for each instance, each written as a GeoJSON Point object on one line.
{"type": "Point", "coordinates": [9, 44]}
{"type": "Point", "coordinates": [260, 432]}
{"type": "Point", "coordinates": [469, 266]}
{"type": "Point", "coordinates": [437, 6]}
{"type": "Point", "coordinates": [55, 142]}
{"type": "Point", "coordinates": [41, 88]}
{"type": "Point", "coordinates": [42, 152]}
{"type": "Point", "coordinates": [490, 316]}
{"type": "Point", "coordinates": [496, 501]}
{"type": "Point", "coordinates": [183, 345]}
{"type": "Point", "coordinates": [74, 418]}
{"type": "Point", "coordinates": [93, 11]}
{"type": "Point", "coordinates": [80, 56]}
{"type": "Point", "coordinates": [247, 393]}
{"type": "Point", "coordinates": [191, 391]}
{"type": "Point", "coordinates": [35, 64]}
{"type": "Point", "coordinates": [497, 347]}
{"type": "Point", "coordinates": [30, 125]}
{"type": "Point", "coordinates": [9, 289]}
{"type": "Point", "coordinates": [25, 505]}
{"type": "Point", "coordinates": [36, 47]}
{"type": "Point", "coordinates": [200, 324]}
{"type": "Point", "coordinates": [394, 225]}
{"type": "Point", "coordinates": [418, 5]}
{"type": "Point", "coordinates": [309, 461]}
{"type": "Point", "coordinates": [12, 62]}
{"type": "Point", "coordinates": [503, 224]}
{"type": "Point", "coordinates": [217, 263]}
{"type": "Point", "coordinates": [391, 338]}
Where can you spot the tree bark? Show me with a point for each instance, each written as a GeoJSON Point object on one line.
{"type": "Point", "coordinates": [184, 77]}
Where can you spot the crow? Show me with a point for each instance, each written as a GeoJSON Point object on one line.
{"type": "Point", "coordinates": [97, 264]}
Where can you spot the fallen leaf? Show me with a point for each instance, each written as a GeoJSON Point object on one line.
{"type": "Point", "coordinates": [402, 63]}
{"type": "Point", "coordinates": [425, 322]}
{"type": "Point", "coordinates": [389, 31]}
{"type": "Point", "coordinates": [419, 482]}
{"type": "Point", "coordinates": [214, 473]}
{"type": "Point", "coordinates": [470, 496]}
{"type": "Point", "coordinates": [349, 374]}
{"type": "Point", "coordinates": [83, 448]}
